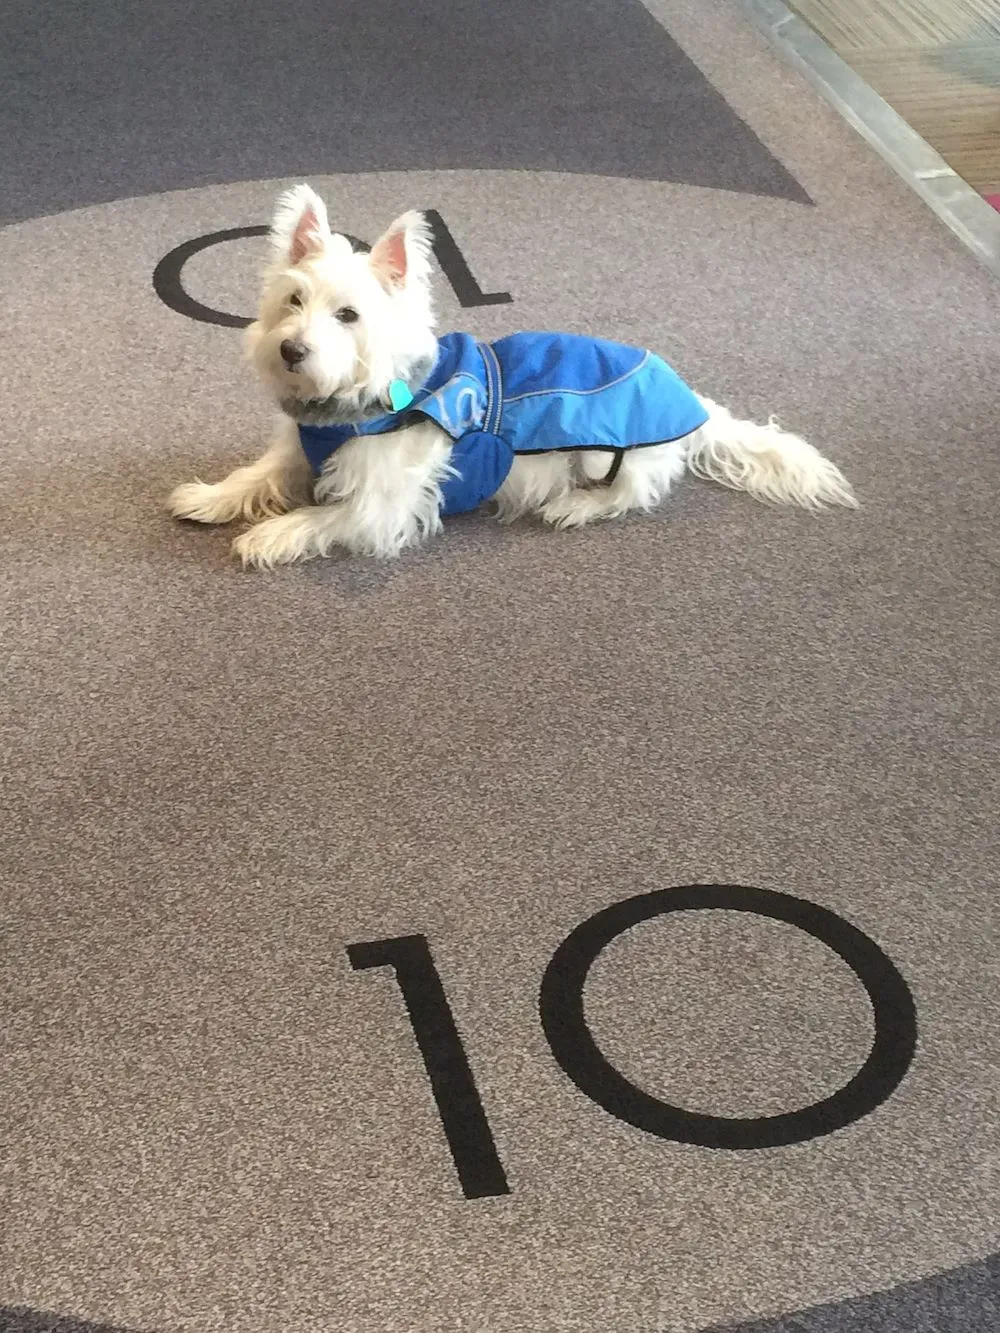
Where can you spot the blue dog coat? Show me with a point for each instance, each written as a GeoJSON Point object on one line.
{"type": "Point", "coordinates": [526, 394]}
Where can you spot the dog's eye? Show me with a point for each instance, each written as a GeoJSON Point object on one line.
{"type": "Point", "coordinates": [347, 315]}
{"type": "Point", "coordinates": [295, 301]}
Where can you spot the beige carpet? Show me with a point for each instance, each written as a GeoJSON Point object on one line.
{"type": "Point", "coordinates": [216, 783]}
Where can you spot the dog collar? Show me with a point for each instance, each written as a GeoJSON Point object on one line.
{"type": "Point", "coordinates": [334, 411]}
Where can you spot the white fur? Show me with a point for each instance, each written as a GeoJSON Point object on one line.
{"type": "Point", "coordinates": [373, 502]}
{"type": "Point", "coordinates": [378, 496]}
{"type": "Point", "coordinates": [278, 480]}
{"type": "Point", "coordinates": [396, 328]}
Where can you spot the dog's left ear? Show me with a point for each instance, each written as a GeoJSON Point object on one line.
{"type": "Point", "coordinates": [300, 225]}
{"type": "Point", "coordinates": [402, 255]}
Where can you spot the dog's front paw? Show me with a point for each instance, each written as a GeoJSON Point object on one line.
{"type": "Point", "coordinates": [201, 503]}
{"type": "Point", "coordinates": [277, 541]}
{"type": "Point", "coordinates": [227, 500]}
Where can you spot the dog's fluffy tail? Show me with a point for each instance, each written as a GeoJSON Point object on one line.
{"type": "Point", "coordinates": [766, 461]}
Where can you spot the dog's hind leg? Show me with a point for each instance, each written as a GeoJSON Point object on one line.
{"type": "Point", "coordinates": [642, 479]}
{"type": "Point", "coordinates": [276, 482]}
{"type": "Point", "coordinates": [534, 481]}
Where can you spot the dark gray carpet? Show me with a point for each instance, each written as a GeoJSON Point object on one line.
{"type": "Point", "coordinates": [965, 1299]}
{"type": "Point", "coordinates": [120, 99]}
{"type": "Point", "coordinates": [216, 784]}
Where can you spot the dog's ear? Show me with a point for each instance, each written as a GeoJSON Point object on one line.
{"type": "Point", "coordinates": [300, 225]}
{"type": "Point", "coordinates": [402, 255]}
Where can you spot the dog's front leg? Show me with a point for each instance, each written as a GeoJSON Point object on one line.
{"type": "Point", "coordinates": [276, 482]}
{"type": "Point", "coordinates": [300, 535]}
{"type": "Point", "coordinates": [383, 495]}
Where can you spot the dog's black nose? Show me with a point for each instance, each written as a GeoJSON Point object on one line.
{"type": "Point", "coordinates": [292, 353]}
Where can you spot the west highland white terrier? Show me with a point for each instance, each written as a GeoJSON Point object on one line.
{"type": "Point", "coordinates": [386, 428]}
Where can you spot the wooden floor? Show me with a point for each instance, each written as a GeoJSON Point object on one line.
{"type": "Point", "coordinates": [936, 62]}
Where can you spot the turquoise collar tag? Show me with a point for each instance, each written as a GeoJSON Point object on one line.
{"type": "Point", "coordinates": [399, 395]}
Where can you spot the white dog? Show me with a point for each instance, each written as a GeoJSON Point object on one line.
{"type": "Point", "coordinates": [373, 448]}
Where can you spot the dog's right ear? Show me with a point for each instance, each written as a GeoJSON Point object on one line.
{"type": "Point", "coordinates": [300, 225]}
